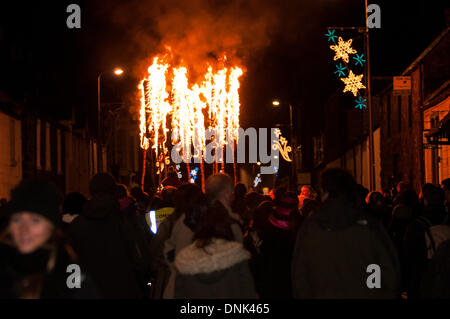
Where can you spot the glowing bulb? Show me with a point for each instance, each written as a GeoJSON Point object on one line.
{"type": "Point", "coordinates": [118, 71]}
{"type": "Point", "coordinates": [275, 103]}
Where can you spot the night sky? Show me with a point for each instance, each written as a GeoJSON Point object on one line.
{"type": "Point", "coordinates": [281, 44]}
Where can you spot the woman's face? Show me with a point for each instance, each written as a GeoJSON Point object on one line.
{"type": "Point", "coordinates": [29, 231]}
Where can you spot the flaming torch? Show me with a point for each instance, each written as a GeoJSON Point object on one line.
{"type": "Point", "coordinates": [185, 104]}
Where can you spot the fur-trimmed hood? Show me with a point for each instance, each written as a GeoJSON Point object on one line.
{"type": "Point", "coordinates": [219, 255]}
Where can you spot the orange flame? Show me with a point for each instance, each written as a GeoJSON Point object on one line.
{"type": "Point", "coordinates": [217, 93]}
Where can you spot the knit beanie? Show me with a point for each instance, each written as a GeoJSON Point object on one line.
{"type": "Point", "coordinates": [37, 196]}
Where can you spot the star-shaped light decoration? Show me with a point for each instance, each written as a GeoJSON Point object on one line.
{"type": "Point", "coordinates": [331, 35]}
{"type": "Point", "coordinates": [359, 58]}
{"type": "Point", "coordinates": [277, 132]}
{"type": "Point", "coordinates": [360, 103]}
{"type": "Point", "coordinates": [353, 83]}
{"type": "Point", "coordinates": [343, 49]}
{"type": "Point", "coordinates": [340, 70]}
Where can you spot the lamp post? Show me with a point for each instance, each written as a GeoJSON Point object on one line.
{"type": "Point", "coordinates": [117, 72]}
{"type": "Point", "coordinates": [293, 179]}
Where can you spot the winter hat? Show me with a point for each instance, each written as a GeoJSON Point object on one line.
{"type": "Point", "coordinates": [103, 183]}
{"type": "Point", "coordinates": [38, 196]}
{"type": "Point", "coordinates": [282, 214]}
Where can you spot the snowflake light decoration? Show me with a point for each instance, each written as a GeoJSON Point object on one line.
{"type": "Point", "coordinates": [360, 103]}
{"type": "Point", "coordinates": [331, 35]}
{"type": "Point", "coordinates": [359, 58]}
{"type": "Point", "coordinates": [340, 70]}
{"type": "Point", "coordinates": [343, 49]}
{"type": "Point", "coordinates": [353, 83]}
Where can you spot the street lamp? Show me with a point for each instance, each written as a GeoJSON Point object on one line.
{"type": "Point", "coordinates": [277, 103]}
{"type": "Point", "coordinates": [118, 72]}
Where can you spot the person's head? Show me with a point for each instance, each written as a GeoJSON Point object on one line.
{"type": "Point", "coordinates": [3, 202]}
{"type": "Point", "coordinates": [434, 197]}
{"type": "Point", "coordinates": [401, 187]}
{"type": "Point", "coordinates": [337, 183]}
{"type": "Point", "coordinates": [103, 183]}
{"type": "Point", "coordinates": [386, 193]}
{"type": "Point", "coordinates": [34, 214]}
{"type": "Point", "coordinates": [168, 195]}
{"type": "Point", "coordinates": [374, 199]}
{"type": "Point", "coordinates": [239, 191]}
{"type": "Point", "coordinates": [74, 203]}
{"type": "Point", "coordinates": [190, 201]}
{"type": "Point", "coordinates": [426, 188]}
{"type": "Point", "coordinates": [214, 223]}
{"type": "Point", "coordinates": [219, 187]}
{"type": "Point", "coordinates": [306, 192]}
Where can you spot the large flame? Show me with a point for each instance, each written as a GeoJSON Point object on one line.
{"type": "Point", "coordinates": [166, 91]}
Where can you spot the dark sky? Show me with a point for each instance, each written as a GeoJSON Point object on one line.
{"type": "Point", "coordinates": [281, 43]}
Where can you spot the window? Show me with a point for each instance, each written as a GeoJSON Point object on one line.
{"type": "Point", "coordinates": [38, 144]}
{"type": "Point", "coordinates": [410, 110]}
{"type": "Point", "coordinates": [399, 103]}
{"type": "Point", "coordinates": [388, 112]}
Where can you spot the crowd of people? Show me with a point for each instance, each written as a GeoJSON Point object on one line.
{"type": "Point", "coordinates": [226, 242]}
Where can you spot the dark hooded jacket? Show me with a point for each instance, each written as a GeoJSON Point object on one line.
{"type": "Point", "coordinates": [217, 271]}
{"type": "Point", "coordinates": [99, 239]}
{"type": "Point", "coordinates": [16, 268]}
{"type": "Point", "coordinates": [333, 250]}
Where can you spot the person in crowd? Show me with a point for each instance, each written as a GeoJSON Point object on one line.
{"type": "Point", "coordinates": [214, 266]}
{"type": "Point", "coordinates": [377, 207]}
{"type": "Point", "coordinates": [272, 268]}
{"type": "Point", "coordinates": [34, 255]}
{"type": "Point", "coordinates": [422, 238]}
{"type": "Point", "coordinates": [446, 187]}
{"type": "Point", "coordinates": [219, 191]}
{"type": "Point", "coordinates": [172, 178]}
{"type": "Point", "coordinates": [143, 201]}
{"type": "Point", "coordinates": [174, 233]}
{"type": "Point", "coordinates": [100, 240]}
{"type": "Point", "coordinates": [361, 193]}
{"type": "Point", "coordinates": [306, 193]}
{"type": "Point", "coordinates": [436, 281]}
{"type": "Point", "coordinates": [310, 206]}
{"type": "Point", "coordinates": [142, 206]}
{"type": "Point", "coordinates": [137, 235]}
{"type": "Point", "coordinates": [72, 207]}
{"type": "Point", "coordinates": [166, 206]}
{"type": "Point", "coordinates": [126, 202]}
{"type": "Point", "coordinates": [399, 190]}
{"type": "Point", "coordinates": [238, 204]}
{"type": "Point", "coordinates": [404, 212]}
{"type": "Point", "coordinates": [337, 244]}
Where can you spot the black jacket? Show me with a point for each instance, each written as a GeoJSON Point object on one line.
{"type": "Point", "coordinates": [16, 268]}
{"type": "Point", "coordinates": [100, 240]}
{"type": "Point", "coordinates": [334, 247]}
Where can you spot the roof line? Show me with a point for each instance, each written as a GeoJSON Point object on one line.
{"type": "Point", "coordinates": [426, 51]}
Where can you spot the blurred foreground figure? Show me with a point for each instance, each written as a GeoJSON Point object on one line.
{"type": "Point", "coordinates": [336, 245]}
{"type": "Point", "coordinates": [33, 255]}
{"type": "Point", "coordinates": [99, 238]}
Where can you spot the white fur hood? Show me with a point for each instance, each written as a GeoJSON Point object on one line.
{"type": "Point", "coordinates": [219, 255]}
